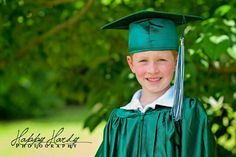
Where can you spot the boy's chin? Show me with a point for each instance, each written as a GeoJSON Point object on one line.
{"type": "Point", "coordinates": [157, 91]}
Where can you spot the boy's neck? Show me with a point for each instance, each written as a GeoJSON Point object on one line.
{"type": "Point", "coordinates": [148, 97]}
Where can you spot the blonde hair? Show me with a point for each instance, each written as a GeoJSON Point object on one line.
{"type": "Point", "coordinates": [174, 52]}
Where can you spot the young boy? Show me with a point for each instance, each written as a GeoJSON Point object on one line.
{"type": "Point", "coordinates": [159, 121]}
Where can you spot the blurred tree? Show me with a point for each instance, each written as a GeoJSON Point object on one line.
{"type": "Point", "coordinates": [54, 54]}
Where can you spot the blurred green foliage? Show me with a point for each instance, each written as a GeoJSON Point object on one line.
{"type": "Point", "coordinates": [53, 54]}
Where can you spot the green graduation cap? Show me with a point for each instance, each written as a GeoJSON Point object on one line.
{"type": "Point", "coordinates": [151, 30]}
{"type": "Point", "coordinates": [156, 31]}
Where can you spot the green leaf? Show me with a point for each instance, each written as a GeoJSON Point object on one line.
{"type": "Point", "coordinates": [215, 46]}
{"type": "Point", "coordinates": [232, 51]}
{"type": "Point", "coordinates": [222, 10]}
{"type": "Point", "coordinates": [218, 39]}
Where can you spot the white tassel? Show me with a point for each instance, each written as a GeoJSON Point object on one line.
{"type": "Point", "coordinates": [179, 83]}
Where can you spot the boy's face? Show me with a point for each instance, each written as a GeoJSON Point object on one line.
{"type": "Point", "coordinates": [154, 70]}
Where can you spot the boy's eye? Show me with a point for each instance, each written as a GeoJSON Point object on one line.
{"type": "Point", "coordinates": [162, 60]}
{"type": "Point", "coordinates": [143, 60]}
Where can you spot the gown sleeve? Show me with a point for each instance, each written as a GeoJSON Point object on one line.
{"type": "Point", "coordinates": [197, 138]}
{"type": "Point", "coordinates": [105, 149]}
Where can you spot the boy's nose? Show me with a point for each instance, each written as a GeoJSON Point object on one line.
{"type": "Point", "coordinates": [152, 68]}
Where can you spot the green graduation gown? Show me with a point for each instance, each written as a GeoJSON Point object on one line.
{"type": "Point", "coordinates": [130, 133]}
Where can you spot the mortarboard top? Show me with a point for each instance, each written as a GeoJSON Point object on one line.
{"type": "Point", "coordinates": [177, 18]}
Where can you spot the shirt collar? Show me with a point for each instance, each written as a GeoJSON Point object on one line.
{"type": "Point", "coordinates": [166, 99]}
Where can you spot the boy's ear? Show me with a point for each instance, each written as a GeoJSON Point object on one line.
{"type": "Point", "coordinates": [130, 63]}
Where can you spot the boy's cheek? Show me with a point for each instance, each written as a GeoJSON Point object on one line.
{"type": "Point", "coordinates": [140, 72]}
{"type": "Point", "coordinates": [167, 70]}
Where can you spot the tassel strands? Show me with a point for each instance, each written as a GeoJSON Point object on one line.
{"type": "Point", "coordinates": [179, 83]}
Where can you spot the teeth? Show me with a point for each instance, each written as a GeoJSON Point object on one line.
{"type": "Point", "coordinates": [153, 79]}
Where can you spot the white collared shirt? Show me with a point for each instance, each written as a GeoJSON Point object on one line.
{"type": "Point", "coordinates": [167, 99]}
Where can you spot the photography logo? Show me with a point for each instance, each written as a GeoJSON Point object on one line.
{"type": "Point", "coordinates": [36, 140]}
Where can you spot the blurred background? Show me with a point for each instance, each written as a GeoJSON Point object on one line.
{"type": "Point", "coordinates": [58, 69]}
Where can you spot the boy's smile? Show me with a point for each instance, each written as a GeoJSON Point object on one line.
{"type": "Point", "coordinates": [154, 70]}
